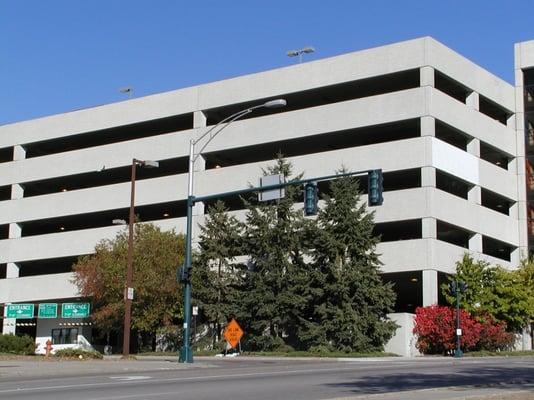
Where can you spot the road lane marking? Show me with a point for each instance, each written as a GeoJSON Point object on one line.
{"type": "Point", "coordinates": [183, 379]}
{"type": "Point", "coordinates": [130, 378]}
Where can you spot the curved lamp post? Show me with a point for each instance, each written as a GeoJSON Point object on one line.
{"type": "Point", "coordinates": [186, 353]}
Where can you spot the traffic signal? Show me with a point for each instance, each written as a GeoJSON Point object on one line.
{"type": "Point", "coordinates": [310, 198]}
{"type": "Point", "coordinates": [375, 184]}
{"type": "Point", "coordinates": [452, 288]}
{"type": "Point", "coordinates": [183, 274]}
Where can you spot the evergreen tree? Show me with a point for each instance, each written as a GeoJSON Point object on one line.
{"type": "Point", "coordinates": [274, 295]}
{"type": "Point", "coordinates": [216, 279]}
{"type": "Point", "coordinates": [350, 300]}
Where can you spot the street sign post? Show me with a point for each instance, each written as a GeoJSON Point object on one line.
{"type": "Point", "coordinates": [20, 311]}
{"type": "Point", "coordinates": [233, 333]}
{"type": "Point", "coordinates": [47, 310]}
{"type": "Point", "coordinates": [75, 310]}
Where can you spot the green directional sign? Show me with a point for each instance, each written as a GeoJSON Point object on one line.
{"type": "Point", "coordinates": [47, 310]}
{"type": "Point", "coordinates": [20, 311]}
{"type": "Point", "coordinates": [75, 310]}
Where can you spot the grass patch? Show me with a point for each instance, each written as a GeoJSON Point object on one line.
{"type": "Point", "coordinates": [287, 354]}
{"type": "Point", "coordinates": [78, 354]}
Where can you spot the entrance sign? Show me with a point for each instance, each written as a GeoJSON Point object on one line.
{"type": "Point", "coordinates": [47, 310]}
{"type": "Point", "coordinates": [75, 310]}
{"type": "Point", "coordinates": [21, 311]}
{"type": "Point", "coordinates": [233, 333]}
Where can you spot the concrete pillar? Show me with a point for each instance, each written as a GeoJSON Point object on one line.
{"type": "Point", "coordinates": [15, 231]}
{"type": "Point", "coordinates": [9, 326]}
{"type": "Point", "coordinates": [19, 153]}
{"type": "Point", "coordinates": [426, 76]}
{"type": "Point", "coordinates": [475, 243]}
{"type": "Point", "coordinates": [473, 147]}
{"type": "Point", "coordinates": [12, 271]}
{"type": "Point", "coordinates": [515, 257]}
{"type": "Point", "coordinates": [430, 287]}
{"type": "Point", "coordinates": [473, 100]}
{"type": "Point", "coordinates": [510, 121]}
{"type": "Point", "coordinates": [17, 191]}
{"type": "Point", "coordinates": [474, 195]}
{"type": "Point", "coordinates": [428, 177]}
{"type": "Point", "coordinates": [428, 126]}
{"type": "Point", "coordinates": [199, 119]}
{"type": "Point", "coordinates": [429, 228]}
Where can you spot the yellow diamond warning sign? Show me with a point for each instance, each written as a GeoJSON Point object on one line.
{"type": "Point", "coordinates": [233, 333]}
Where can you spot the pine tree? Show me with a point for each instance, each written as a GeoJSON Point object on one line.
{"type": "Point", "coordinates": [216, 279]}
{"type": "Point", "coordinates": [274, 295]}
{"type": "Point", "coordinates": [349, 309]}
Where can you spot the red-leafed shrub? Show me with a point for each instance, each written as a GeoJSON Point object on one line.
{"type": "Point", "coordinates": [435, 327]}
{"type": "Point", "coordinates": [493, 335]}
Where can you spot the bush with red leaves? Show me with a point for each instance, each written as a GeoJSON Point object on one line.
{"type": "Point", "coordinates": [435, 327]}
{"type": "Point", "coordinates": [493, 335]}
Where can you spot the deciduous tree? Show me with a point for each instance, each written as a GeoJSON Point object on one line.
{"type": "Point", "coordinates": [101, 277]}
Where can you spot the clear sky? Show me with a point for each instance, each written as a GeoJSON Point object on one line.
{"type": "Point", "coordinates": [61, 55]}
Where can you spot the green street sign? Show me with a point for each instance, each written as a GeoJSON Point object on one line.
{"type": "Point", "coordinates": [47, 310]}
{"type": "Point", "coordinates": [75, 310]}
{"type": "Point", "coordinates": [20, 311]}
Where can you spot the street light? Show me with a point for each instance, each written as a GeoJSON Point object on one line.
{"type": "Point", "coordinates": [127, 89]}
{"type": "Point", "coordinates": [299, 52]}
{"type": "Point", "coordinates": [186, 353]}
{"type": "Point", "coordinates": [128, 290]}
{"type": "Point", "coordinates": [456, 288]}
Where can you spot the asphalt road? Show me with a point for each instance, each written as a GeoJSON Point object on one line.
{"type": "Point", "coordinates": [265, 379]}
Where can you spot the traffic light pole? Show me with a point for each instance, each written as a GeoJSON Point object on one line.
{"type": "Point", "coordinates": [184, 275]}
{"type": "Point", "coordinates": [458, 353]}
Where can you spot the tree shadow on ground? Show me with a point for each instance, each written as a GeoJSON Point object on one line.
{"type": "Point", "coordinates": [465, 378]}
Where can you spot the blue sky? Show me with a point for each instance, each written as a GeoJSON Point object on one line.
{"type": "Point", "coordinates": [61, 55]}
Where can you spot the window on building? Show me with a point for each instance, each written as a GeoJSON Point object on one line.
{"type": "Point", "coordinates": [451, 87]}
{"type": "Point", "coordinates": [65, 336]}
{"type": "Point", "coordinates": [494, 155]}
{"type": "Point", "coordinates": [4, 231]}
{"type": "Point", "coordinates": [452, 184]}
{"type": "Point", "coordinates": [493, 110]}
{"type": "Point", "coordinates": [6, 154]}
{"type": "Point", "coordinates": [453, 234]}
{"type": "Point", "coordinates": [452, 135]}
{"type": "Point", "coordinates": [5, 193]}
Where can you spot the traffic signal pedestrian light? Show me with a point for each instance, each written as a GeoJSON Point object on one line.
{"type": "Point", "coordinates": [375, 184]}
{"type": "Point", "coordinates": [184, 274]}
{"type": "Point", "coordinates": [310, 198]}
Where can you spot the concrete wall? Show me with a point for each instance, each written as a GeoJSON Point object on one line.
{"type": "Point", "coordinates": [403, 342]}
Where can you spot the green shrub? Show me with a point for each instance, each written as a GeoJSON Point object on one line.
{"type": "Point", "coordinates": [76, 353]}
{"type": "Point", "coordinates": [17, 344]}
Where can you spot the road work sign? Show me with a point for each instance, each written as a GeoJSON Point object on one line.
{"type": "Point", "coordinates": [233, 333]}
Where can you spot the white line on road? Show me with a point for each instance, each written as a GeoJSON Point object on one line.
{"type": "Point", "coordinates": [130, 378]}
{"type": "Point", "coordinates": [184, 379]}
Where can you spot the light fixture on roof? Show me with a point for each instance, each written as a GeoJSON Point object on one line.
{"type": "Point", "coordinates": [64, 189]}
{"type": "Point", "coordinates": [166, 214]}
{"type": "Point", "coordinates": [414, 280]}
{"type": "Point", "coordinates": [299, 52]}
{"type": "Point", "coordinates": [61, 228]}
{"type": "Point", "coordinates": [127, 89]}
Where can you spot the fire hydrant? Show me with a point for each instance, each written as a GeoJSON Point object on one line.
{"type": "Point", "coordinates": [48, 347]}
